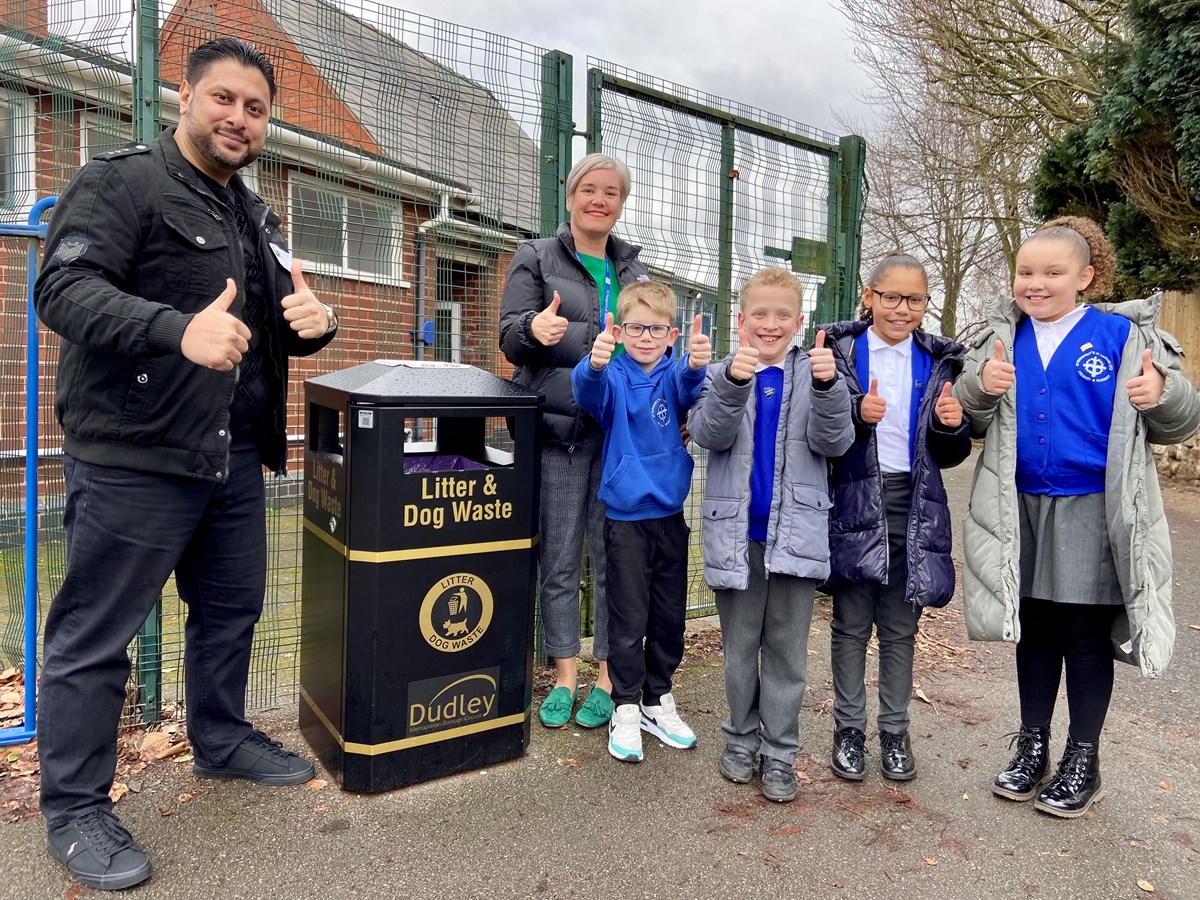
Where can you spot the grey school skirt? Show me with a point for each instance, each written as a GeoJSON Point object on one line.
{"type": "Point", "coordinates": [1065, 554]}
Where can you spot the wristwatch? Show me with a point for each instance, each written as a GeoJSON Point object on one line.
{"type": "Point", "coordinates": [333, 319]}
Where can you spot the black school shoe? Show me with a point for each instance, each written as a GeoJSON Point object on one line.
{"type": "Point", "coordinates": [1076, 784]}
{"type": "Point", "coordinates": [849, 757]}
{"type": "Point", "coordinates": [98, 851]}
{"type": "Point", "coordinates": [897, 762]}
{"type": "Point", "coordinates": [778, 780]}
{"type": "Point", "coordinates": [1029, 768]}
{"type": "Point", "coordinates": [736, 766]}
{"type": "Point", "coordinates": [263, 761]}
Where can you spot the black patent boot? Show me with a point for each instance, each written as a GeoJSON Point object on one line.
{"type": "Point", "coordinates": [1076, 784]}
{"type": "Point", "coordinates": [848, 759]}
{"type": "Point", "coordinates": [1029, 769]}
{"type": "Point", "coordinates": [897, 761]}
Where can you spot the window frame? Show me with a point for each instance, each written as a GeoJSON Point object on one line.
{"type": "Point", "coordinates": [391, 204]}
{"type": "Point", "coordinates": [22, 187]}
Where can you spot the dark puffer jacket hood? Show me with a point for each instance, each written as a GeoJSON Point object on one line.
{"type": "Point", "coordinates": [858, 528]}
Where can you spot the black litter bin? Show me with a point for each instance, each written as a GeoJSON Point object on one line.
{"type": "Point", "coordinates": [420, 532]}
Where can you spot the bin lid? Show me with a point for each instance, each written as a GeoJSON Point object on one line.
{"type": "Point", "coordinates": [425, 383]}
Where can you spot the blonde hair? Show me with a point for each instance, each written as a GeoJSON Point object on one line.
{"type": "Point", "coordinates": [591, 163]}
{"type": "Point", "coordinates": [1092, 247]}
{"type": "Point", "coordinates": [772, 276]}
{"type": "Point", "coordinates": [654, 295]}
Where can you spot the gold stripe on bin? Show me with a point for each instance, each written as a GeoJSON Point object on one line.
{"type": "Point", "coordinates": [406, 743]}
{"type": "Point", "coordinates": [386, 556]}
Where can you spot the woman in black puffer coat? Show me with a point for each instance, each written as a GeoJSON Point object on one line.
{"type": "Point", "coordinates": [555, 299]}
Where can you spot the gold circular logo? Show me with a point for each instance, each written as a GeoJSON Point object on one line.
{"type": "Point", "coordinates": [456, 612]}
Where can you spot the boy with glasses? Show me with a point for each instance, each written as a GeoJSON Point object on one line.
{"type": "Point", "coordinates": [638, 398]}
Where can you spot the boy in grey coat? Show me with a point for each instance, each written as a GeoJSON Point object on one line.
{"type": "Point", "coordinates": [770, 414]}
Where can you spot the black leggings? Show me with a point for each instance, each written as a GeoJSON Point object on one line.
{"type": "Point", "coordinates": [1077, 634]}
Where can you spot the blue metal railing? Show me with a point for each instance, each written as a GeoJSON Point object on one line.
{"type": "Point", "coordinates": [35, 231]}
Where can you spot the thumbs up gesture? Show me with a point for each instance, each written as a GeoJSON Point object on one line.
{"type": "Point", "coordinates": [948, 410]}
{"type": "Point", "coordinates": [215, 338]}
{"type": "Point", "coordinates": [548, 326]}
{"type": "Point", "coordinates": [823, 367]}
{"type": "Point", "coordinates": [998, 374]}
{"type": "Point", "coordinates": [745, 360]}
{"type": "Point", "coordinates": [606, 343]}
{"type": "Point", "coordinates": [873, 407]}
{"type": "Point", "coordinates": [699, 345]}
{"type": "Point", "coordinates": [304, 312]}
{"type": "Point", "coordinates": [1146, 389]}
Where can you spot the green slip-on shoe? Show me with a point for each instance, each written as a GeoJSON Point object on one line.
{"type": "Point", "coordinates": [555, 711]}
{"type": "Point", "coordinates": [597, 709]}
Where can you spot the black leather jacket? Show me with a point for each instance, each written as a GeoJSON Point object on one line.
{"type": "Point", "coordinates": [137, 245]}
{"type": "Point", "coordinates": [538, 269]}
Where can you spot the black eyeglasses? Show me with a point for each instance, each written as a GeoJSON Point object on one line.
{"type": "Point", "coordinates": [891, 300]}
{"type": "Point", "coordinates": [635, 329]}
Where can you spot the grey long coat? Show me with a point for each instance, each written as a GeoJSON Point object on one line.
{"type": "Point", "coordinates": [813, 424]}
{"type": "Point", "coordinates": [1137, 529]}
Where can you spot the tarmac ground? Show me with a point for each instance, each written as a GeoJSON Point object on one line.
{"type": "Point", "coordinates": [566, 820]}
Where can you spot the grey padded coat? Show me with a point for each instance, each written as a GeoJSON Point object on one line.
{"type": "Point", "coordinates": [813, 424]}
{"type": "Point", "coordinates": [1137, 528]}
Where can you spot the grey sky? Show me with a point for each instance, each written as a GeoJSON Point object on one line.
{"type": "Point", "coordinates": [790, 57]}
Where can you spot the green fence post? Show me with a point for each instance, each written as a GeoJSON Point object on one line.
{"type": "Point", "coordinates": [725, 237]}
{"type": "Point", "coordinates": [852, 153]}
{"type": "Point", "coordinates": [595, 101]}
{"type": "Point", "coordinates": [557, 130]}
{"type": "Point", "coordinates": [147, 123]}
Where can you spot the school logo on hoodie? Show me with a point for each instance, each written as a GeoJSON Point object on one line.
{"type": "Point", "coordinates": [660, 412]}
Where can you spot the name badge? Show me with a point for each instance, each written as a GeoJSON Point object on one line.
{"type": "Point", "coordinates": [284, 255]}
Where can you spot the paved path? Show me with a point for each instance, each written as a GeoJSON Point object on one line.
{"type": "Point", "coordinates": [567, 821]}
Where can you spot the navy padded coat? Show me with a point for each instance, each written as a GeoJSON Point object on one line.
{"type": "Point", "coordinates": [857, 528]}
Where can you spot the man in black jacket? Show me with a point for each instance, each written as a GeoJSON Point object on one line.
{"type": "Point", "coordinates": [178, 304]}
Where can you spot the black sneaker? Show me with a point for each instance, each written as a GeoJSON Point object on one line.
{"type": "Point", "coordinates": [261, 760]}
{"type": "Point", "coordinates": [778, 780]}
{"type": "Point", "coordinates": [98, 851]}
{"type": "Point", "coordinates": [737, 766]}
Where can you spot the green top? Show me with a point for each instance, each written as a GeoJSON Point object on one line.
{"type": "Point", "coordinates": [596, 266]}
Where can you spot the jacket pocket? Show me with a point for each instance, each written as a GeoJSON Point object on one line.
{"type": "Point", "coordinates": [720, 536]}
{"type": "Point", "coordinates": [804, 523]}
{"type": "Point", "coordinates": [201, 265]}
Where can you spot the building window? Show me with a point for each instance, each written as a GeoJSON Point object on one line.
{"type": "Point", "coordinates": [344, 229]}
{"type": "Point", "coordinates": [447, 346]}
{"type": "Point", "coordinates": [102, 132]}
{"type": "Point", "coordinates": [16, 153]}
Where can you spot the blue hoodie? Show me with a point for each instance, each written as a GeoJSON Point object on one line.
{"type": "Point", "coordinates": [647, 472]}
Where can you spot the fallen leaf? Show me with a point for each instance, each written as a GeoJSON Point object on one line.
{"type": "Point", "coordinates": [743, 853]}
{"type": "Point", "coordinates": [785, 830]}
{"type": "Point", "coordinates": [186, 758]}
{"type": "Point", "coordinates": [154, 743]}
{"type": "Point", "coordinates": [315, 784]}
{"type": "Point", "coordinates": [569, 762]}
{"type": "Point", "coordinates": [930, 861]}
{"type": "Point", "coordinates": [1167, 785]}
{"type": "Point", "coordinates": [185, 797]}
{"type": "Point", "coordinates": [11, 672]}
{"type": "Point", "coordinates": [10, 697]}
{"type": "Point", "coordinates": [164, 810]}
{"type": "Point", "coordinates": [1194, 627]}
{"type": "Point", "coordinates": [1145, 885]}
{"type": "Point", "coordinates": [117, 791]}
{"type": "Point", "coordinates": [965, 797]}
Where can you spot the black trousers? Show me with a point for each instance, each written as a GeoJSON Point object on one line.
{"type": "Point", "coordinates": [647, 597]}
{"type": "Point", "coordinates": [1073, 636]}
{"type": "Point", "coordinates": [126, 531]}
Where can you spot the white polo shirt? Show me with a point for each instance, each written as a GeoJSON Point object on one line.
{"type": "Point", "coordinates": [891, 366]}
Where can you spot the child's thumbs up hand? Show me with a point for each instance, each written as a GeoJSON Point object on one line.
{"type": "Point", "coordinates": [606, 343]}
{"type": "Point", "coordinates": [699, 345]}
{"type": "Point", "coordinates": [998, 374]}
{"type": "Point", "coordinates": [745, 361]}
{"type": "Point", "coordinates": [824, 368]}
{"type": "Point", "coordinates": [548, 326]}
{"type": "Point", "coordinates": [873, 407]}
{"type": "Point", "coordinates": [1146, 389]}
{"type": "Point", "coordinates": [948, 410]}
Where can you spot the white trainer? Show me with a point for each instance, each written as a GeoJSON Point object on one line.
{"type": "Point", "coordinates": [664, 723]}
{"type": "Point", "coordinates": [624, 736]}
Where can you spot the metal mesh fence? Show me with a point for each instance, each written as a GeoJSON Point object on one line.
{"type": "Point", "coordinates": [720, 190]}
{"type": "Point", "coordinates": [408, 158]}
{"type": "Point", "coordinates": [403, 158]}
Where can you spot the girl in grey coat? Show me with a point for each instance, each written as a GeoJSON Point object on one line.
{"type": "Point", "coordinates": [1067, 551]}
